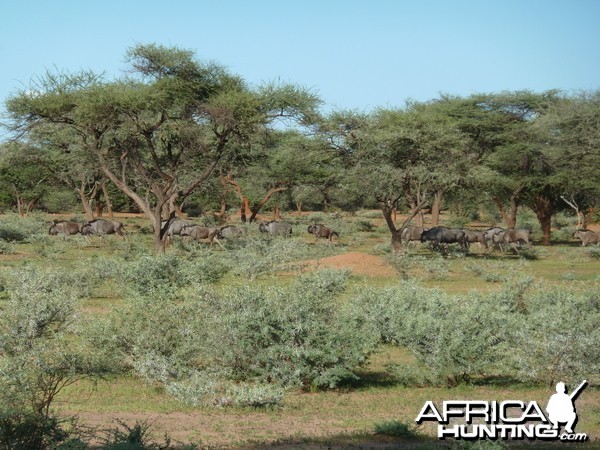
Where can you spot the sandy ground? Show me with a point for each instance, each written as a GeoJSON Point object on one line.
{"type": "Point", "coordinates": [359, 263]}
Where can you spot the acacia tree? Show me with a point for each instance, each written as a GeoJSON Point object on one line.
{"type": "Point", "coordinates": [427, 147]}
{"type": "Point", "coordinates": [22, 176]}
{"type": "Point", "coordinates": [571, 132]}
{"type": "Point", "coordinates": [159, 134]}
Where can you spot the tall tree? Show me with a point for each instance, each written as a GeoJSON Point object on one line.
{"type": "Point", "coordinates": [22, 175]}
{"type": "Point", "coordinates": [161, 133]}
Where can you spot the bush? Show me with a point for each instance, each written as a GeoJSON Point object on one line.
{"type": "Point", "coordinates": [42, 352]}
{"type": "Point", "coordinates": [396, 428]}
{"type": "Point", "coordinates": [558, 337]}
{"type": "Point", "coordinates": [246, 346]}
{"type": "Point", "coordinates": [165, 273]}
{"type": "Point", "coordinates": [14, 228]}
{"type": "Point", "coordinates": [524, 331]}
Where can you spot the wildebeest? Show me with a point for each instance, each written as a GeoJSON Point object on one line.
{"type": "Point", "coordinates": [230, 231]}
{"type": "Point", "coordinates": [275, 228]}
{"type": "Point", "coordinates": [473, 236]}
{"type": "Point", "coordinates": [491, 235]}
{"type": "Point", "coordinates": [511, 236]}
{"type": "Point", "coordinates": [412, 233]}
{"type": "Point", "coordinates": [175, 227]}
{"type": "Point", "coordinates": [516, 235]}
{"type": "Point", "coordinates": [587, 237]}
{"type": "Point", "coordinates": [443, 235]}
{"type": "Point", "coordinates": [200, 233]}
{"type": "Point", "coordinates": [321, 231]}
{"type": "Point", "coordinates": [103, 227]}
{"type": "Point", "coordinates": [69, 228]}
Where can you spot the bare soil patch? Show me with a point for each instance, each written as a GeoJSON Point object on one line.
{"type": "Point", "coordinates": [359, 263]}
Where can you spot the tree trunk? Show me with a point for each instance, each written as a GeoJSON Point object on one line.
{"type": "Point", "coordinates": [20, 209]}
{"type": "Point", "coordinates": [107, 199]}
{"type": "Point", "coordinates": [87, 208]}
{"type": "Point", "coordinates": [244, 209]}
{"type": "Point", "coordinates": [265, 199]}
{"type": "Point", "coordinates": [544, 208]}
{"type": "Point", "coordinates": [418, 212]}
{"type": "Point", "coordinates": [510, 218]}
{"type": "Point", "coordinates": [436, 207]}
{"type": "Point", "coordinates": [277, 213]}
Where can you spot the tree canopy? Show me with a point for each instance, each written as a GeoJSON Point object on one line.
{"type": "Point", "coordinates": [173, 127]}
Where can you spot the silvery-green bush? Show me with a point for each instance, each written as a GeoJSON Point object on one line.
{"type": "Point", "coordinates": [166, 273]}
{"type": "Point", "coordinates": [205, 343]}
{"type": "Point", "coordinates": [454, 337]}
{"type": "Point", "coordinates": [43, 349]}
{"type": "Point", "coordinates": [525, 331]}
{"type": "Point", "coordinates": [559, 337]}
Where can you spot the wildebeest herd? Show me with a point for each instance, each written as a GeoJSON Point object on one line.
{"type": "Point", "coordinates": [439, 237]}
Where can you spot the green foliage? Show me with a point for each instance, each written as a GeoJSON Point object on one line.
{"type": "Point", "coordinates": [558, 336]}
{"type": "Point", "coordinates": [23, 229]}
{"type": "Point", "coordinates": [134, 437]}
{"type": "Point", "coordinates": [531, 333]}
{"type": "Point", "coordinates": [6, 248]}
{"type": "Point", "coordinates": [165, 273]}
{"type": "Point", "coordinates": [245, 346]}
{"type": "Point", "coordinates": [396, 428]}
{"type": "Point", "coordinates": [40, 355]}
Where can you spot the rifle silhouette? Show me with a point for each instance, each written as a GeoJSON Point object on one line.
{"type": "Point", "coordinates": [575, 393]}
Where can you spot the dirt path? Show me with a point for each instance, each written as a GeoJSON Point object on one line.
{"type": "Point", "coordinates": [359, 263]}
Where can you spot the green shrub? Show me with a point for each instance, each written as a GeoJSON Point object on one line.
{"type": "Point", "coordinates": [14, 228]}
{"type": "Point", "coordinates": [6, 248]}
{"type": "Point", "coordinates": [559, 336]}
{"type": "Point", "coordinates": [396, 428]}
{"type": "Point", "coordinates": [165, 273]}
{"type": "Point", "coordinates": [246, 345]}
{"type": "Point", "coordinates": [43, 350]}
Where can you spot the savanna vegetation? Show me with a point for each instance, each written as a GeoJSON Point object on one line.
{"type": "Point", "coordinates": [271, 339]}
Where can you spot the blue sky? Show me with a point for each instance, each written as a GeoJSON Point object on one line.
{"type": "Point", "coordinates": [355, 54]}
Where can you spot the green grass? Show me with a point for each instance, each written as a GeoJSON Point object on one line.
{"type": "Point", "coordinates": [346, 415]}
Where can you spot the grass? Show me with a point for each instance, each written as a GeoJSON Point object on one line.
{"type": "Point", "coordinates": [351, 415]}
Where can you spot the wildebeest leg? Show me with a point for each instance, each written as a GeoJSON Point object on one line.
{"type": "Point", "coordinates": [213, 238]}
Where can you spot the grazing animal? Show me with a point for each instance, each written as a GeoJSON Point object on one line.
{"type": "Point", "coordinates": [199, 233]}
{"type": "Point", "coordinates": [443, 235]}
{"type": "Point", "coordinates": [472, 237]}
{"type": "Point", "coordinates": [275, 228]}
{"type": "Point", "coordinates": [175, 227]}
{"type": "Point", "coordinates": [513, 235]}
{"type": "Point", "coordinates": [67, 228]}
{"type": "Point", "coordinates": [230, 231]}
{"type": "Point", "coordinates": [491, 236]}
{"type": "Point", "coordinates": [321, 231]}
{"type": "Point", "coordinates": [412, 233]}
{"type": "Point", "coordinates": [103, 227]}
{"type": "Point", "coordinates": [587, 237]}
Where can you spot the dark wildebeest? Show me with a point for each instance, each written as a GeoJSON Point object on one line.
{"type": "Point", "coordinates": [68, 228]}
{"type": "Point", "coordinates": [587, 237]}
{"type": "Point", "coordinates": [175, 227]}
{"type": "Point", "coordinates": [199, 233]}
{"type": "Point", "coordinates": [230, 231]}
{"type": "Point", "coordinates": [321, 231]}
{"type": "Point", "coordinates": [443, 235]}
{"type": "Point", "coordinates": [275, 228]}
{"type": "Point", "coordinates": [103, 227]}
{"type": "Point", "coordinates": [472, 237]}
